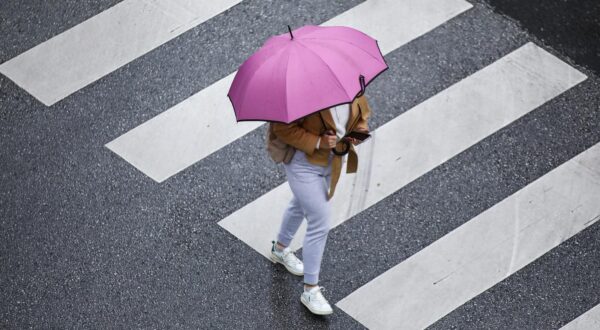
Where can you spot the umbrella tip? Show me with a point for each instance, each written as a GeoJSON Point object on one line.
{"type": "Point", "coordinates": [291, 35]}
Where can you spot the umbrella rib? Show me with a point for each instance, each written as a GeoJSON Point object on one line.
{"type": "Point", "coordinates": [348, 42]}
{"type": "Point", "coordinates": [328, 67]}
{"type": "Point", "coordinates": [287, 115]}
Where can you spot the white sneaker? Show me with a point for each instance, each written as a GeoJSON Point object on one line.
{"type": "Point", "coordinates": [315, 302]}
{"type": "Point", "coordinates": [288, 259]}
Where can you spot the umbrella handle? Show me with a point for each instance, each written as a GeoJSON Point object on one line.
{"type": "Point", "coordinates": [345, 151]}
{"type": "Point", "coordinates": [361, 81]}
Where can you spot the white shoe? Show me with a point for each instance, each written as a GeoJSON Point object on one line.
{"type": "Point", "coordinates": [315, 302]}
{"type": "Point", "coordinates": [288, 259]}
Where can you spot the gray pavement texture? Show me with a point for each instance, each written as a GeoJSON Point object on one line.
{"type": "Point", "coordinates": [570, 26]}
{"type": "Point", "coordinates": [88, 241]}
{"type": "Point", "coordinates": [24, 24]}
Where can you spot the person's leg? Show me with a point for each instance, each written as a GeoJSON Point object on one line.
{"type": "Point", "coordinates": [292, 219]}
{"type": "Point", "coordinates": [281, 253]}
{"type": "Point", "coordinates": [309, 184]}
{"type": "Point", "coordinates": [314, 241]}
{"type": "Point", "coordinates": [317, 231]}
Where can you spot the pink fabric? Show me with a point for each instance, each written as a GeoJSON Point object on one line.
{"type": "Point", "coordinates": [288, 79]}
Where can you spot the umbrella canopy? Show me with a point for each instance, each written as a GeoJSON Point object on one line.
{"type": "Point", "coordinates": [303, 71]}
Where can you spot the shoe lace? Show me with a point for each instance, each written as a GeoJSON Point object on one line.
{"type": "Point", "coordinates": [289, 257]}
{"type": "Point", "coordinates": [319, 296]}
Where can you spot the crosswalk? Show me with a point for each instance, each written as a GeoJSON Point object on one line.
{"type": "Point", "coordinates": [483, 251]}
{"type": "Point", "coordinates": [433, 282]}
{"type": "Point", "coordinates": [170, 142]}
{"type": "Point", "coordinates": [422, 138]}
{"type": "Point", "coordinates": [588, 320]}
{"type": "Point", "coordinates": [79, 56]}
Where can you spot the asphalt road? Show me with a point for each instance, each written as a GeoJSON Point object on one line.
{"type": "Point", "coordinates": [89, 241]}
{"type": "Point", "coordinates": [571, 27]}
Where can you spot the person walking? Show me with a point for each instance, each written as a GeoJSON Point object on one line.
{"type": "Point", "coordinates": [309, 85]}
{"type": "Point", "coordinates": [312, 174]}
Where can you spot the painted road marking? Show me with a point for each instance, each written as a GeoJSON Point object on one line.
{"type": "Point", "coordinates": [87, 52]}
{"type": "Point", "coordinates": [205, 122]}
{"type": "Point", "coordinates": [586, 321]}
{"type": "Point", "coordinates": [422, 138]}
{"type": "Point", "coordinates": [489, 248]}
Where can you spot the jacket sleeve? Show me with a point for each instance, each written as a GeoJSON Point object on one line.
{"type": "Point", "coordinates": [296, 136]}
{"type": "Point", "coordinates": [363, 121]}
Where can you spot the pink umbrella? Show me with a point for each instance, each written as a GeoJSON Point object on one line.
{"type": "Point", "coordinates": [313, 68]}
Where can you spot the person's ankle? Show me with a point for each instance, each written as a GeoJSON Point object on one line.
{"type": "Point", "coordinates": [307, 287]}
{"type": "Point", "coordinates": [279, 247]}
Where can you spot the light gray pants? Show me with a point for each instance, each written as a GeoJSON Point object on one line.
{"type": "Point", "coordinates": [309, 184]}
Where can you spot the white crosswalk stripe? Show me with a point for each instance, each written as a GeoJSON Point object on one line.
{"type": "Point", "coordinates": [422, 138]}
{"type": "Point", "coordinates": [79, 56]}
{"type": "Point", "coordinates": [428, 285]}
{"type": "Point", "coordinates": [586, 321]}
{"type": "Point", "coordinates": [204, 123]}
{"type": "Point", "coordinates": [483, 251]}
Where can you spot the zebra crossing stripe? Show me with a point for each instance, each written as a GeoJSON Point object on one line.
{"type": "Point", "coordinates": [396, 22]}
{"type": "Point", "coordinates": [79, 56]}
{"type": "Point", "coordinates": [422, 138]}
{"type": "Point", "coordinates": [586, 321]}
{"type": "Point", "coordinates": [484, 251]}
{"type": "Point", "coordinates": [205, 123]}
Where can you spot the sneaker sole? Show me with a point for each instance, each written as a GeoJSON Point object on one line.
{"type": "Point", "coordinates": [275, 261]}
{"type": "Point", "coordinates": [313, 310]}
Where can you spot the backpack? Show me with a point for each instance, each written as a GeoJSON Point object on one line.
{"type": "Point", "coordinates": [277, 149]}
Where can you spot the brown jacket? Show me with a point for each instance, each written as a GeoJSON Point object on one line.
{"type": "Point", "coordinates": [304, 137]}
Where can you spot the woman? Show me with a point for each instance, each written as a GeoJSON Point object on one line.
{"type": "Point", "coordinates": [312, 175]}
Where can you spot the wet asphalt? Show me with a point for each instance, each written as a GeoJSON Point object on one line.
{"type": "Point", "coordinates": [87, 241]}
